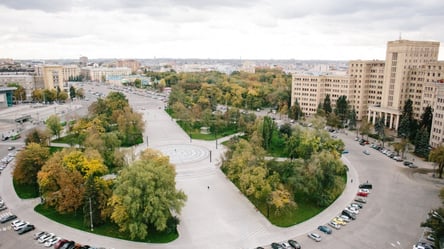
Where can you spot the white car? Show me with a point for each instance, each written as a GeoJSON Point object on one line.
{"type": "Point", "coordinates": [20, 226]}
{"type": "Point", "coordinates": [52, 241]}
{"type": "Point", "coordinates": [352, 210]}
{"type": "Point", "coordinates": [17, 223]}
{"type": "Point", "coordinates": [344, 218]}
{"type": "Point", "coordinates": [314, 236]}
{"type": "Point", "coordinates": [45, 238]}
{"type": "Point", "coordinates": [334, 225]}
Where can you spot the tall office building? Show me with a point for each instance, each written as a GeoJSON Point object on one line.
{"type": "Point", "coordinates": [402, 57]}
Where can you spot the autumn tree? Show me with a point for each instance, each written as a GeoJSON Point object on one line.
{"type": "Point", "coordinates": [437, 156]}
{"type": "Point", "coordinates": [37, 136]}
{"type": "Point", "coordinates": [145, 195]}
{"type": "Point", "coordinates": [29, 162]}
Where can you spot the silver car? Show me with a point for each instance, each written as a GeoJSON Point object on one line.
{"type": "Point", "coordinates": [314, 236]}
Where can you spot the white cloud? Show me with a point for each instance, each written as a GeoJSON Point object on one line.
{"type": "Point", "coordinates": [337, 30]}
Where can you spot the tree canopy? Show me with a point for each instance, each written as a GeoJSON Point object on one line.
{"type": "Point", "coordinates": [145, 195]}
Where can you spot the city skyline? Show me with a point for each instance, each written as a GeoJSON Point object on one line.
{"type": "Point", "coordinates": [214, 29]}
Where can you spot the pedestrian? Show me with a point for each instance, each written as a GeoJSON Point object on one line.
{"type": "Point", "coordinates": [351, 180]}
{"type": "Point", "coordinates": [208, 187]}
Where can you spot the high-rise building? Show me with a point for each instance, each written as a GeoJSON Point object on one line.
{"type": "Point", "coordinates": [402, 57]}
{"type": "Point", "coordinates": [379, 89]}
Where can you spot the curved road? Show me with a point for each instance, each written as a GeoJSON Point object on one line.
{"type": "Point", "coordinates": [216, 215]}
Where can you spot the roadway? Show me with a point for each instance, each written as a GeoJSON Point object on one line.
{"type": "Point", "coordinates": [220, 217]}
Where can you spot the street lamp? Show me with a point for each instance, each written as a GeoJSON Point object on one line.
{"type": "Point", "coordinates": [90, 215]}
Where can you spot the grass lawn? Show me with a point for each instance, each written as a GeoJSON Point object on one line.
{"type": "Point", "coordinates": [301, 213]}
{"type": "Point", "coordinates": [26, 191]}
{"type": "Point", "coordinates": [68, 139]}
{"type": "Point", "coordinates": [108, 229]}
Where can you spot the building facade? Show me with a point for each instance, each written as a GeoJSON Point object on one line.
{"type": "Point", "coordinates": [100, 74]}
{"type": "Point", "coordinates": [379, 89]}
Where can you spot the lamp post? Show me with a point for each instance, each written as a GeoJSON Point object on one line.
{"type": "Point", "coordinates": [90, 215]}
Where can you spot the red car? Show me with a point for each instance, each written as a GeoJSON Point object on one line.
{"type": "Point", "coordinates": [363, 194]}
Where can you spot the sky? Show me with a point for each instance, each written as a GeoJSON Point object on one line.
{"type": "Point", "coordinates": [215, 29]}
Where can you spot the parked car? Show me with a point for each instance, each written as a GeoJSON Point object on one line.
{"type": "Point", "coordinates": [361, 200]}
{"type": "Point", "coordinates": [349, 214]}
{"type": "Point", "coordinates": [357, 205]}
{"type": "Point", "coordinates": [26, 229]}
{"type": "Point", "coordinates": [352, 210]}
{"type": "Point", "coordinates": [20, 226]}
{"type": "Point", "coordinates": [314, 236]}
{"type": "Point", "coordinates": [8, 218]}
{"type": "Point", "coordinates": [407, 163]}
{"type": "Point", "coordinates": [285, 245]}
{"type": "Point", "coordinates": [294, 244]}
{"type": "Point", "coordinates": [39, 234]}
{"type": "Point", "coordinates": [364, 190]}
{"type": "Point", "coordinates": [362, 194]}
{"type": "Point", "coordinates": [344, 218]}
{"type": "Point", "coordinates": [423, 245]}
{"type": "Point", "coordinates": [52, 241]}
{"type": "Point", "coordinates": [3, 207]}
{"type": "Point", "coordinates": [275, 245]}
{"type": "Point", "coordinates": [46, 237]}
{"type": "Point", "coordinates": [366, 152]}
{"type": "Point", "coordinates": [334, 225]}
{"type": "Point", "coordinates": [339, 221]}
{"type": "Point", "coordinates": [60, 243]}
{"type": "Point", "coordinates": [11, 148]}
{"type": "Point", "coordinates": [325, 229]}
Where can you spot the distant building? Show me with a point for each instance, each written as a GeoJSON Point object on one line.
{"type": "Point", "coordinates": [50, 76]}
{"type": "Point", "coordinates": [83, 61]}
{"type": "Point", "coordinates": [134, 65]}
{"type": "Point", "coordinates": [6, 96]}
{"type": "Point", "coordinates": [100, 74]}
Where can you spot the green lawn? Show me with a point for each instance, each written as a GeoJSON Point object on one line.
{"type": "Point", "coordinates": [108, 229]}
{"type": "Point", "coordinates": [26, 191]}
{"type": "Point", "coordinates": [68, 139]}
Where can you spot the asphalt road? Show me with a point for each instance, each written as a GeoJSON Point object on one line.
{"type": "Point", "coordinates": [220, 217]}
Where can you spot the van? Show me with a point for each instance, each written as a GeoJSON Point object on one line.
{"type": "Point", "coordinates": [366, 185]}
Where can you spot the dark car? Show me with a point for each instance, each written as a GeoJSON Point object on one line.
{"type": "Point", "coordinates": [68, 245]}
{"type": "Point", "coordinates": [276, 246]}
{"type": "Point", "coordinates": [26, 229]}
{"type": "Point", "coordinates": [60, 243]}
{"type": "Point", "coordinates": [366, 185]}
{"type": "Point", "coordinates": [349, 214]}
{"type": "Point", "coordinates": [8, 218]}
{"type": "Point", "coordinates": [324, 229]}
{"type": "Point", "coordinates": [3, 207]}
{"type": "Point", "coordinates": [294, 244]}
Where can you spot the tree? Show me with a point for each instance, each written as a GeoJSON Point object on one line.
{"type": "Point", "coordinates": [53, 125]}
{"type": "Point", "coordinates": [407, 125]}
{"type": "Point", "coordinates": [427, 119]}
{"type": "Point", "coordinates": [327, 105]}
{"type": "Point", "coordinates": [422, 142]}
{"type": "Point", "coordinates": [29, 162]}
{"type": "Point", "coordinates": [437, 156]}
{"type": "Point", "coordinates": [352, 119]}
{"type": "Point", "coordinates": [380, 129]}
{"type": "Point", "coordinates": [364, 129]}
{"type": "Point", "coordinates": [37, 136]}
{"type": "Point", "coordinates": [295, 111]}
{"type": "Point", "coordinates": [19, 93]}
{"type": "Point", "coordinates": [145, 195]}
{"type": "Point", "coordinates": [72, 92]}
{"type": "Point", "coordinates": [268, 127]}
{"type": "Point", "coordinates": [341, 109]}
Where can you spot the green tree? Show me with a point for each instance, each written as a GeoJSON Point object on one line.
{"type": "Point", "coordinates": [19, 93]}
{"type": "Point", "coordinates": [352, 119]}
{"type": "Point", "coordinates": [365, 127]}
{"type": "Point", "coordinates": [72, 92]}
{"type": "Point", "coordinates": [408, 125]}
{"type": "Point", "coordinates": [437, 156]}
{"type": "Point", "coordinates": [145, 195]}
{"type": "Point", "coordinates": [427, 119]}
{"type": "Point", "coordinates": [37, 136]}
{"type": "Point", "coordinates": [422, 143]}
{"type": "Point", "coordinates": [327, 105]}
{"type": "Point", "coordinates": [380, 129]}
{"type": "Point", "coordinates": [295, 111]}
{"type": "Point", "coordinates": [29, 162]}
{"type": "Point", "coordinates": [53, 125]}
{"type": "Point", "coordinates": [320, 110]}
{"type": "Point", "coordinates": [268, 127]}
{"type": "Point", "coordinates": [342, 109]}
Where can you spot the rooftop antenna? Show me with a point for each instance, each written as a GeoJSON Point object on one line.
{"type": "Point", "coordinates": [400, 37]}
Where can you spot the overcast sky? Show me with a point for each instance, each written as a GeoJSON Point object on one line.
{"type": "Point", "coordinates": [218, 29]}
